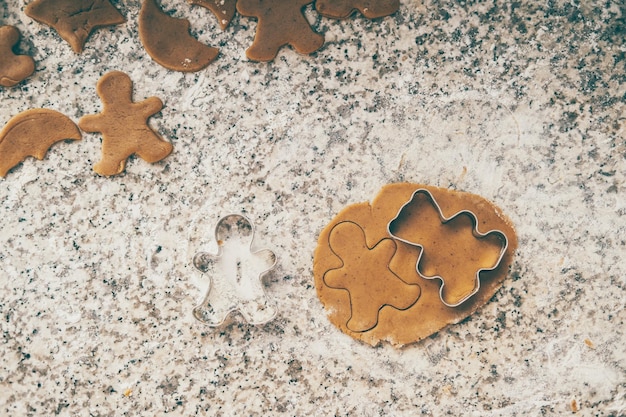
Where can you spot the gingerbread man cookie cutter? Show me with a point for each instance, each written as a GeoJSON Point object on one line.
{"type": "Point", "coordinates": [236, 275]}
{"type": "Point", "coordinates": [391, 226]}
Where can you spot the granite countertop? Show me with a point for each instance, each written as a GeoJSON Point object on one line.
{"type": "Point", "coordinates": [522, 103]}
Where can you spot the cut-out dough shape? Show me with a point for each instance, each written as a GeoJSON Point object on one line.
{"type": "Point", "coordinates": [168, 42]}
{"type": "Point", "coordinates": [453, 249]}
{"type": "Point", "coordinates": [224, 10]}
{"type": "Point", "coordinates": [371, 9]}
{"type": "Point", "coordinates": [124, 125]}
{"type": "Point", "coordinates": [280, 23]}
{"type": "Point", "coordinates": [367, 296]}
{"type": "Point", "coordinates": [74, 20]}
{"type": "Point", "coordinates": [428, 314]}
{"type": "Point", "coordinates": [235, 275]}
{"type": "Point", "coordinates": [13, 68]}
{"type": "Point", "coordinates": [32, 133]}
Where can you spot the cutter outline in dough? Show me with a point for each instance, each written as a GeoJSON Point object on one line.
{"type": "Point", "coordinates": [231, 294]}
{"type": "Point", "coordinates": [445, 220]}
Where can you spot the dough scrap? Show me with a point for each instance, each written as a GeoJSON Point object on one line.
{"type": "Point", "coordinates": [428, 314]}
{"type": "Point", "coordinates": [13, 68]}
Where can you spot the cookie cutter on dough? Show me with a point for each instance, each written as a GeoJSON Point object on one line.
{"type": "Point", "coordinates": [236, 274]}
{"type": "Point", "coordinates": [444, 220]}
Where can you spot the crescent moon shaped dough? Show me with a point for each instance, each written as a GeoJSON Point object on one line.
{"type": "Point", "coordinates": [168, 42]}
{"type": "Point", "coordinates": [32, 133]}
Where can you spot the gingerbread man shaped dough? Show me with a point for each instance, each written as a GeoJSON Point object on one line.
{"type": "Point", "coordinates": [367, 297]}
{"type": "Point", "coordinates": [281, 22]}
{"type": "Point", "coordinates": [124, 126]}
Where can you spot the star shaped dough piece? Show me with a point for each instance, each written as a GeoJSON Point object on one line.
{"type": "Point", "coordinates": [13, 68]}
{"type": "Point", "coordinates": [360, 263]}
{"type": "Point", "coordinates": [124, 125]}
{"type": "Point", "coordinates": [235, 273]}
{"type": "Point", "coordinates": [74, 20]}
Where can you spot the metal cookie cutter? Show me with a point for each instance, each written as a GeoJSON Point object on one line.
{"type": "Point", "coordinates": [477, 234]}
{"type": "Point", "coordinates": [236, 275]}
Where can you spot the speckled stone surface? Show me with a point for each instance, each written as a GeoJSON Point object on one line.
{"type": "Point", "coordinates": [522, 103]}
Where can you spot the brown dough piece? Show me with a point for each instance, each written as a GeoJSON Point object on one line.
{"type": "Point", "coordinates": [124, 125]}
{"type": "Point", "coordinates": [280, 23]}
{"type": "Point", "coordinates": [428, 314]}
{"type": "Point", "coordinates": [13, 68]}
{"type": "Point", "coordinates": [74, 20]}
{"type": "Point", "coordinates": [224, 10]}
{"type": "Point", "coordinates": [371, 9]}
{"type": "Point", "coordinates": [168, 42]}
{"type": "Point", "coordinates": [32, 133]}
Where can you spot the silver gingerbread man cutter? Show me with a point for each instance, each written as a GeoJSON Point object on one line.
{"type": "Point", "coordinates": [235, 274]}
